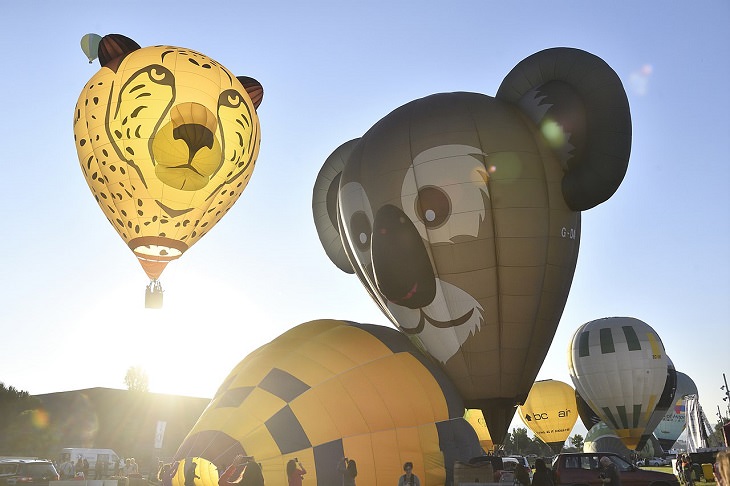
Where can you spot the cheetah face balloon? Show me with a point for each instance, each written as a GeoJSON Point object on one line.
{"type": "Point", "coordinates": [459, 212]}
{"type": "Point", "coordinates": [167, 139]}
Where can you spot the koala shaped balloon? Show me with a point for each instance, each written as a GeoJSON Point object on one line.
{"type": "Point", "coordinates": [460, 214]}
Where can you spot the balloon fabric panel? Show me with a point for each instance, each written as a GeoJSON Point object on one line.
{"type": "Point", "coordinates": [476, 420]}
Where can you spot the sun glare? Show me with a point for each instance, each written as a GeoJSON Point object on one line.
{"type": "Point", "coordinates": [187, 347]}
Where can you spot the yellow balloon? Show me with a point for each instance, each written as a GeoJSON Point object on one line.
{"type": "Point", "coordinates": [167, 139]}
{"type": "Point", "coordinates": [550, 412]}
{"type": "Point", "coordinates": [330, 389]}
{"type": "Point", "coordinates": [202, 471]}
{"type": "Point", "coordinates": [475, 417]}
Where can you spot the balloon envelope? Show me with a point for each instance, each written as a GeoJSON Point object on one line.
{"type": "Point", "coordinates": [195, 471]}
{"type": "Point", "coordinates": [476, 419]}
{"type": "Point", "coordinates": [585, 412]}
{"type": "Point", "coordinates": [328, 389]}
{"type": "Point", "coordinates": [665, 402]}
{"type": "Point", "coordinates": [167, 139]}
{"type": "Point", "coordinates": [460, 216]}
{"type": "Point", "coordinates": [90, 45]}
{"type": "Point", "coordinates": [602, 438]}
{"type": "Point", "coordinates": [619, 366]}
{"type": "Point", "coordinates": [675, 420]}
{"type": "Point", "coordinates": [550, 412]}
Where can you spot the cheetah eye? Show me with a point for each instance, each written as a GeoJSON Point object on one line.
{"type": "Point", "coordinates": [433, 206]}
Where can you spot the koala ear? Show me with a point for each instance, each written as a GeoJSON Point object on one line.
{"type": "Point", "coordinates": [253, 88]}
{"type": "Point", "coordinates": [325, 207]}
{"type": "Point", "coordinates": [580, 106]}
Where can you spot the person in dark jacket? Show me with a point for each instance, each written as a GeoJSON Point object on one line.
{"type": "Point", "coordinates": [542, 476]}
{"type": "Point", "coordinates": [348, 469]}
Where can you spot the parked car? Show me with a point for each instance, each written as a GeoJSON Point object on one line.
{"type": "Point", "coordinates": [581, 469]}
{"type": "Point", "coordinates": [27, 472]}
{"type": "Point", "coordinates": [522, 460]}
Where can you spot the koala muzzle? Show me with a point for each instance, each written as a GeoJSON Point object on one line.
{"type": "Point", "coordinates": [402, 268]}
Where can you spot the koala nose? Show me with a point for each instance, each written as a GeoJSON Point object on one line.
{"type": "Point", "coordinates": [402, 268]}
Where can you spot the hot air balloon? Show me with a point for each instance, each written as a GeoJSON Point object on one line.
{"type": "Point", "coordinates": [602, 438]}
{"type": "Point", "coordinates": [328, 389]}
{"type": "Point", "coordinates": [90, 46]}
{"type": "Point", "coordinates": [618, 365]}
{"type": "Point", "coordinates": [167, 139]}
{"type": "Point", "coordinates": [586, 414]}
{"type": "Point", "coordinates": [665, 402]}
{"type": "Point", "coordinates": [675, 420]}
{"type": "Point", "coordinates": [550, 412]}
{"type": "Point", "coordinates": [460, 214]}
{"type": "Point", "coordinates": [476, 419]}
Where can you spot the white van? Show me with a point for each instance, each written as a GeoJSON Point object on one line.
{"type": "Point", "coordinates": [106, 456]}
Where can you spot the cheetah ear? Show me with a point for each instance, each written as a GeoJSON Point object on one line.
{"type": "Point", "coordinates": [326, 209]}
{"type": "Point", "coordinates": [253, 88]}
{"type": "Point", "coordinates": [113, 48]}
{"type": "Point", "coordinates": [579, 105]}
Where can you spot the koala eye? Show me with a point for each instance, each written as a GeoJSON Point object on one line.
{"type": "Point", "coordinates": [433, 206]}
{"type": "Point", "coordinates": [361, 230]}
{"type": "Point", "coordinates": [357, 218]}
{"type": "Point", "coordinates": [445, 192]}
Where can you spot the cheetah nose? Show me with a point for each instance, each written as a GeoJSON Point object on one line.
{"type": "Point", "coordinates": [194, 124]}
{"type": "Point", "coordinates": [192, 114]}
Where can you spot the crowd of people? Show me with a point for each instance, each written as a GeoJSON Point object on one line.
{"type": "Point", "coordinates": [245, 471]}
{"type": "Point", "coordinates": [79, 470]}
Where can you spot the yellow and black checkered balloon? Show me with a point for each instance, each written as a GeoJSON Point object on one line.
{"type": "Point", "coordinates": [330, 389]}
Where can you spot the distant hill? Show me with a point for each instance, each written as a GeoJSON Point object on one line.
{"type": "Point", "coordinates": [123, 420]}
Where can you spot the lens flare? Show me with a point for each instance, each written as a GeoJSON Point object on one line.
{"type": "Point", "coordinates": [39, 418]}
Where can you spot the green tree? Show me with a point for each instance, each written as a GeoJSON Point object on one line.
{"type": "Point", "coordinates": [577, 442]}
{"type": "Point", "coordinates": [717, 438]}
{"type": "Point", "coordinates": [24, 425]}
{"type": "Point", "coordinates": [136, 379]}
{"type": "Point", "coordinates": [521, 441]}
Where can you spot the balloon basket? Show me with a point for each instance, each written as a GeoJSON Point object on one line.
{"type": "Point", "coordinates": [153, 295]}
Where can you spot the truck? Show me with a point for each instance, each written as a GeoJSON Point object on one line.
{"type": "Point", "coordinates": [107, 457]}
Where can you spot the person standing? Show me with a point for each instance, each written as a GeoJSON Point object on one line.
{"type": "Point", "coordinates": [250, 473]}
{"type": "Point", "coordinates": [348, 470]}
{"type": "Point", "coordinates": [542, 476]}
{"type": "Point", "coordinates": [687, 470]}
{"type": "Point", "coordinates": [609, 474]}
{"type": "Point", "coordinates": [521, 475]}
{"type": "Point", "coordinates": [189, 471]}
{"type": "Point", "coordinates": [722, 469]}
{"type": "Point", "coordinates": [295, 472]}
{"type": "Point", "coordinates": [408, 479]}
{"type": "Point", "coordinates": [97, 469]}
{"type": "Point", "coordinates": [79, 468]}
{"type": "Point", "coordinates": [67, 469]}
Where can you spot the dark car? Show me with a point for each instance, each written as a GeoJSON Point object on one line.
{"type": "Point", "coordinates": [27, 472]}
{"type": "Point", "coordinates": [581, 469]}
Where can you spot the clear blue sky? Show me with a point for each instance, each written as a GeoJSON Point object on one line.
{"type": "Point", "coordinates": [71, 297]}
